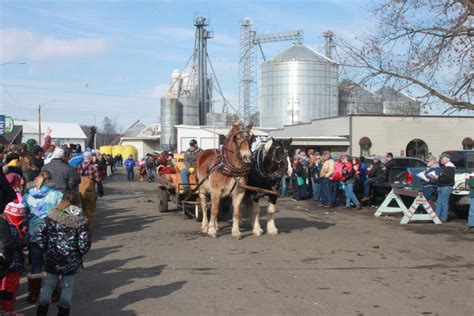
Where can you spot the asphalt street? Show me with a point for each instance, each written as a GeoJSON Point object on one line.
{"type": "Point", "coordinates": [336, 262]}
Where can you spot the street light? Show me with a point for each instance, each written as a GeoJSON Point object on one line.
{"type": "Point", "coordinates": [18, 62]}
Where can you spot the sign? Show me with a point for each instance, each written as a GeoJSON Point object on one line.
{"type": "Point", "coordinates": [2, 124]}
{"type": "Point", "coordinates": [6, 124]}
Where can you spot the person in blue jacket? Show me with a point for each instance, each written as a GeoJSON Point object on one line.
{"type": "Point", "coordinates": [129, 165]}
{"type": "Point", "coordinates": [431, 186]}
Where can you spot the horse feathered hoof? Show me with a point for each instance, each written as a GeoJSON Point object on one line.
{"type": "Point", "coordinates": [204, 230]}
{"type": "Point", "coordinates": [272, 232]}
{"type": "Point", "coordinates": [212, 233]}
{"type": "Point", "coordinates": [258, 232]}
{"type": "Point", "coordinates": [237, 236]}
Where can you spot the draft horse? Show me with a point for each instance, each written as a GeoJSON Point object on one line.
{"type": "Point", "coordinates": [220, 172]}
{"type": "Point", "coordinates": [270, 163]}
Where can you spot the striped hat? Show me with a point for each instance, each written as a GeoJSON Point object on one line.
{"type": "Point", "coordinates": [15, 212]}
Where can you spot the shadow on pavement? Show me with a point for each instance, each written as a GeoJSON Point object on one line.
{"type": "Point", "coordinates": [290, 224]}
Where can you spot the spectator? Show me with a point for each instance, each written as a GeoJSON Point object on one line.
{"type": "Point", "coordinates": [327, 170]}
{"type": "Point", "coordinates": [129, 165]}
{"type": "Point", "coordinates": [348, 175]}
{"type": "Point", "coordinates": [432, 170]}
{"type": "Point", "coordinates": [315, 177]}
{"type": "Point", "coordinates": [65, 238]}
{"type": "Point", "coordinates": [301, 170]}
{"type": "Point", "coordinates": [38, 202]}
{"type": "Point", "coordinates": [150, 168]}
{"type": "Point", "coordinates": [388, 165]}
{"type": "Point", "coordinates": [190, 157]}
{"type": "Point", "coordinates": [15, 215]}
{"type": "Point", "coordinates": [336, 186]}
{"type": "Point", "coordinates": [470, 219]}
{"type": "Point", "coordinates": [376, 173]}
{"type": "Point", "coordinates": [65, 177]}
{"type": "Point", "coordinates": [445, 186]}
{"type": "Point", "coordinates": [87, 188]}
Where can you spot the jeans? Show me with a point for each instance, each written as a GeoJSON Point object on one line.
{"type": "Point", "coordinates": [368, 183]}
{"type": "Point", "coordinates": [150, 172]}
{"type": "Point", "coordinates": [185, 178]}
{"type": "Point", "coordinates": [350, 196]}
{"type": "Point", "coordinates": [49, 284]}
{"type": "Point", "coordinates": [470, 218]}
{"type": "Point", "coordinates": [325, 191]}
{"type": "Point", "coordinates": [442, 204]}
{"type": "Point", "coordinates": [36, 258]}
{"type": "Point", "coordinates": [283, 187]}
{"type": "Point", "coordinates": [316, 189]}
{"type": "Point", "coordinates": [334, 193]}
{"type": "Point", "coordinates": [428, 191]}
{"type": "Point", "coordinates": [130, 174]}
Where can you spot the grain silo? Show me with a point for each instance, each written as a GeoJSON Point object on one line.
{"type": "Point", "coordinates": [171, 115]}
{"type": "Point", "coordinates": [355, 99]}
{"type": "Point", "coordinates": [296, 86]}
{"type": "Point", "coordinates": [398, 103]}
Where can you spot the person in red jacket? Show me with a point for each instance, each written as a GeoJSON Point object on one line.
{"type": "Point", "coordinates": [348, 173]}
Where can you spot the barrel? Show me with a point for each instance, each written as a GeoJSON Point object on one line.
{"type": "Point", "coordinates": [105, 150]}
{"type": "Point", "coordinates": [129, 150]}
{"type": "Point", "coordinates": [117, 150]}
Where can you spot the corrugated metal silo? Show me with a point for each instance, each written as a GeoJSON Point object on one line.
{"type": "Point", "coordinates": [354, 99]}
{"type": "Point", "coordinates": [397, 103]}
{"type": "Point", "coordinates": [171, 115]}
{"type": "Point", "coordinates": [190, 110]}
{"type": "Point", "coordinates": [296, 86]}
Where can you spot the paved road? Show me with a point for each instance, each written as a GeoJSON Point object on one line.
{"type": "Point", "coordinates": [323, 263]}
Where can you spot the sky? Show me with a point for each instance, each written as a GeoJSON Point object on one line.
{"type": "Point", "coordinates": [84, 60]}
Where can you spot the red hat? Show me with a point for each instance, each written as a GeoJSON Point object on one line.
{"type": "Point", "coordinates": [14, 179]}
{"type": "Point", "coordinates": [15, 212]}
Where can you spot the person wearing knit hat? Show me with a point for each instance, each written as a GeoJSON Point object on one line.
{"type": "Point", "coordinates": [30, 143]}
{"type": "Point", "coordinates": [15, 216]}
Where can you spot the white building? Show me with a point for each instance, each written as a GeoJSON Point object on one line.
{"type": "Point", "coordinates": [61, 133]}
{"type": "Point", "coordinates": [146, 140]}
{"type": "Point", "coordinates": [207, 137]}
{"type": "Point", "coordinates": [363, 135]}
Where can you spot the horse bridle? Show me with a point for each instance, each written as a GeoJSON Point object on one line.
{"type": "Point", "coordinates": [279, 172]}
{"type": "Point", "coordinates": [229, 167]}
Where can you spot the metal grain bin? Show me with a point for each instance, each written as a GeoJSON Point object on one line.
{"type": "Point", "coordinates": [354, 99]}
{"type": "Point", "coordinates": [398, 103]}
{"type": "Point", "coordinates": [171, 115]}
{"type": "Point", "coordinates": [296, 86]}
{"type": "Point", "coordinates": [190, 110]}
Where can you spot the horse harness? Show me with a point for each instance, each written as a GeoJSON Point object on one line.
{"type": "Point", "coordinates": [278, 173]}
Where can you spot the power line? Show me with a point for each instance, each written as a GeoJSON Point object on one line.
{"type": "Point", "coordinates": [77, 92]}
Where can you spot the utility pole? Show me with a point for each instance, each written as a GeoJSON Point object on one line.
{"type": "Point", "coordinates": [95, 135]}
{"type": "Point", "coordinates": [39, 124]}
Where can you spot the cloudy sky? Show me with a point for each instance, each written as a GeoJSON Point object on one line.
{"type": "Point", "coordinates": [91, 59]}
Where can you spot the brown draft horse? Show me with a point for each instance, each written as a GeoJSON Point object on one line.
{"type": "Point", "coordinates": [221, 172]}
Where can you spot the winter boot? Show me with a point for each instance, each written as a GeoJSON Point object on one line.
{"type": "Point", "coordinates": [42, 310]}
{"type": "Point", "coordinates": [34, 286]}
{"type": "Point", "coordinates": [56, 293]}
{"type": "Point", "coordinates": [63, 311]}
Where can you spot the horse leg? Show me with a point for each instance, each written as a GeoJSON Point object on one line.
{"type": "Point", "coordinates": [205, 222]}
{"type": "Point", "coordinates": [215, 199]}
{"type": "Point", "coordinates": [255, 219]}
{"type": "Point", "coordinates": [271, 228]}
{"type": "Point", "coordinates": [236, 201]}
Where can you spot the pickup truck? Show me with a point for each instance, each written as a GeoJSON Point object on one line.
{"type": "Point", "coordinates": [463, 160]}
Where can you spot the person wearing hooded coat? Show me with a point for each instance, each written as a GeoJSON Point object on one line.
{"type": "Point", "coordinates": [65, 238]}
{"type": "Point", "coordinates": [89, 178]}
{"type": "Point", "coordinates": [39, 200]}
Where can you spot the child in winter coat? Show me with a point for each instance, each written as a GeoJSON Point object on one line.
{"type": "Point", "coordinates": [14, 214]}
{"type": "Point", "coordinates": [39, 200]}
{"type": "Point", "coordinates": [65, 238]}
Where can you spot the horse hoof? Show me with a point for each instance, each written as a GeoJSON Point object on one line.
{"type": "Point", "coordinates": [212, 233]}
{"type": "Point", "coordinates": [237, 236]}
{"type": "Point", "coordinates": [272, 232]}
{"type": "Point", "coordinates": [257, 233]}
{"type": "Point", "coordinates": [204, 231]}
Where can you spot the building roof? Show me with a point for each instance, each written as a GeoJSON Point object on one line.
{"type": "Point", "coordinates": [134, 130]}
{"type": "Point", "coordinates": [58, 130]}
{"type": "Point", "coordinates": [301, 52]}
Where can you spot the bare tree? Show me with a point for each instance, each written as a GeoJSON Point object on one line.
{"type": "Point", "coordinates": [425, 45]}
{"type": "Point", "coordinates": [109, 131]}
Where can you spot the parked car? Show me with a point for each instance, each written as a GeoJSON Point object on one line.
{"type": "Point", "coordinates": [463, 160]}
